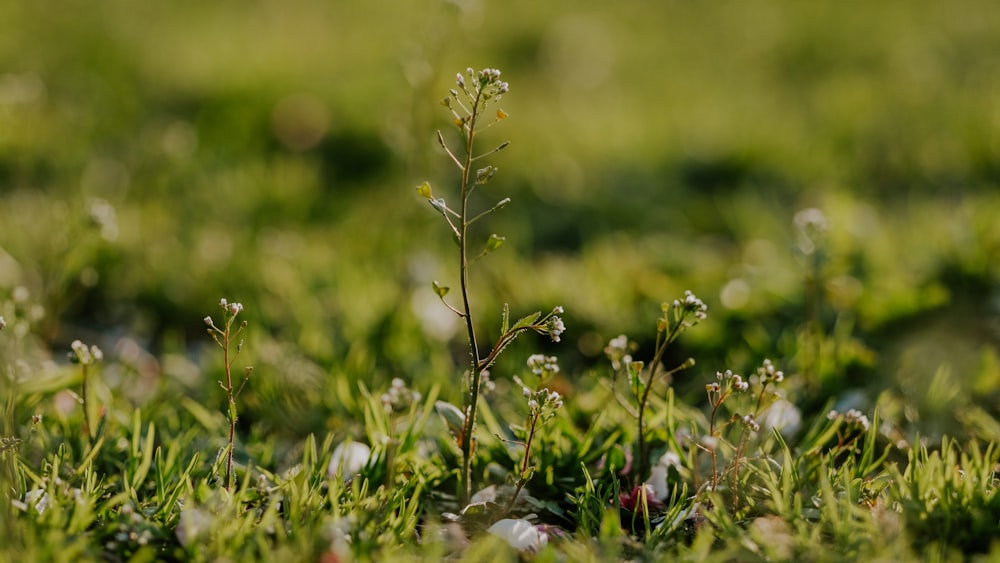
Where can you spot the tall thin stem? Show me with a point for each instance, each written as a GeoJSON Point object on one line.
{"type": "Point", "coordinates": [475, 375]}
{"type": "Point", "coordinates": [232, 409]}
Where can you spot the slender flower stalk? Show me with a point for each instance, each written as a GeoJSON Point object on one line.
{"type": "Point", "coordinates": [86, 356]}
{"type": "Point", "coordinates": [225, 337]}
{"type": "Point", "coordinates": [468, 104]}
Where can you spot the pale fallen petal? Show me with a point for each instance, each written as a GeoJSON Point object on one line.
{"type": "Point", "coordinates": [521, 534]}
{"type": "Point", "coordinates": [348, 459]}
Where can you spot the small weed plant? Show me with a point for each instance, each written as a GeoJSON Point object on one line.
{"type": "Point", "coordinates": [470, 105]}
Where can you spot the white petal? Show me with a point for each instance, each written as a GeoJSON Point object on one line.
{"type": "Point", "coordinates": [520, 534]}
{"type": "Point", "coordinates": [658, 480]}
{"type": "Point", "coordinates": [348, 459]}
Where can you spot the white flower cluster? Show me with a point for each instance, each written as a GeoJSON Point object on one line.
{"type": "Point", "coordinates": [82, 354]}
{"type": "Point", "coordinates": [691, 304]}
{"type": "Point", "coordinates": [750, 423]}
{"type": "Point", "coordinates": [542, 365]}
{"type": "Point", "coordinates": [767, 372]}
{"type": "Point", "coordinates": [852, 417]}
{"type": "Point", "coordinates": [617, 352]}
{"type": "Point", "coordinates": [487, 82]}
{"type": "Point", "coordinates": [231, 308]}
{"type": "Point", "coordinates": [555, 326]}
{"type": "Point", "coordinates": [541, 403]}
{"type": "Point", "coordinates": [398, 397]}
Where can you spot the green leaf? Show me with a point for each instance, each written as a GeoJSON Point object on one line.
{"type": "Point", "coordinates": [495, 241]}
{"type": "Point", "coordinates": [452, 416]}
{"type": "Point", "coordinates": [526, 321]}
{"type": "Point", "coordinates": [440, 289]}
{"type": "Point", "coordinates": [424, 190]}
{"type": "Point", "coordinates": [484, 175]}
{"type": "Point", "coordinates": [505, 319]}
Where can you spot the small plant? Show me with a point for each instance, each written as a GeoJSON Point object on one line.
{"type": "Point", "coordinates": [87, 356]}
{"type": "Point", "coordinates": [225, 337]}
{"type": "Point", "coordinates": [677, 317]}
{"type": "Point", "coordinates": [470, 105]}
{"type": "Point", "coordinates": [542, 406]}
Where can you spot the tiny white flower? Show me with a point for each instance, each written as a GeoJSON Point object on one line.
{"type": "Point", "coordinates": [3, 323]}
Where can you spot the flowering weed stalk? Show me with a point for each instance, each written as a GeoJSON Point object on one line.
{"type": "Point", "coordinates": [86, 356]}
{"type": "Point", "coordinates": [542, 406]}
{"type": "Point", "coordinates": [469, 105]}
{"type": "Point", "coordinates": [677, 317]}
{"type": "Point", "coordinates": [225, 337]}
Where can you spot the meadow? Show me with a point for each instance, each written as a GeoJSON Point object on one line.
{"type": "Point", "coordinates": [743, 302]}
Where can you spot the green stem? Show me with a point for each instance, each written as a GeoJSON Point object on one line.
{"type": "Point", "coordinates": [232, 408]}
{"type": "Point", "coordinates": [476, 371]}
{"type": "Point", "coordinates": [653, 369]}
{"type": "Point", "coordinates": [84, 396]}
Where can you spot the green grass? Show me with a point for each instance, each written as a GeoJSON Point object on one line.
{"type": "Point", "coordinates": [154, 159]}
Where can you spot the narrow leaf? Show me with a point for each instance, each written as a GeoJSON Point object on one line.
{"type": "Point", "coordinates": [495, 241]}
{"type": "Point", "coordinates": [526, 321]}
{"type": "Point", "coordinates": [505, 319]}
{"type": "Point", "coordinates": [439, 289]}
{"type": "Point", "coordinates": [453, 417]}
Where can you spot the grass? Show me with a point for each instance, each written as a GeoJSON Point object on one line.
{"type": "Point", "coordinates": [145, 171]}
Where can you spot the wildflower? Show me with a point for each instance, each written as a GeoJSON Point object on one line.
{"type": "Point", "coordinates": [694, 305]}
{"type": "Point", "coordinates": [767, 372]}
{"type": "Point", "coordinates": [3, 323]}
{"type": "Point", "coordinates": [751, 423]}
{"type": "Point", "coordinates": [556, 328]}
{"type": "Point", "coordinates": [739, 384]}
{"type": "Point", "coordinates": [208, 321]}
{"type": "Point", "coordinates": [82, 354]}
{"type": "Point", "coordinates": [540, 364]}
{"type": "Point", "coordinates": [856, 417]}
{"type": "Point", "coordinates": [615, 351]}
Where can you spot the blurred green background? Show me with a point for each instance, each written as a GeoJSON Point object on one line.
{"type": "Point", "coordinates": [157, 156]}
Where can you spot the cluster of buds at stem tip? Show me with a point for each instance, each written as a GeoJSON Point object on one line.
{"type": "Point", "coordinates": [767, 372]}
{"type": "Point", "coordinates": [541, 403]}
{"type": "Point", "coordinates": [84, 355]}
{"type": "Point", "coordinates": [726, 383]}
{"type": "Point", "coordinates": [230, 310]}
{"type": "Point", "coordinates": [398, 397]}
{"type": "Point", "coordinates": [691, 305]}
{"type": "Point", "coordinates": [750, 422]}
{"type": "Point", "coordinates": [853, 417]}
{"type": "Point", "coordinates": [552, 324]}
